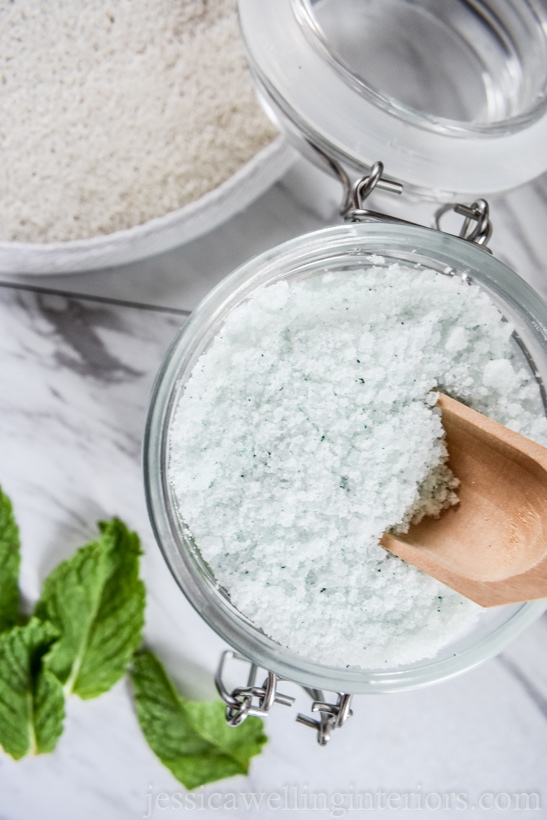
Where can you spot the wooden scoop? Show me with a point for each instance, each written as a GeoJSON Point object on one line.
{"type": "Point", "coordinates": [492, 546]}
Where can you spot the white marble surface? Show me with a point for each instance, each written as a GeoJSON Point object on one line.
{"type": "Point", "coordinates": [78, 355]}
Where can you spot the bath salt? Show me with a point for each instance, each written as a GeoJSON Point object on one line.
{"type": "Point", "coordinates": [113, 113]}
{"type": "Point", "coordinates": [309, 428]}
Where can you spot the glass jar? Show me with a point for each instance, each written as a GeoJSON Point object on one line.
{"type": "Point", "coordinates": [451, 96]}
{"type": "Point", "coordinates": [340, 248]}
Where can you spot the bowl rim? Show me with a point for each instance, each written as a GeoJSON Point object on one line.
{"type": "Point", "coordinates": [156, 235]}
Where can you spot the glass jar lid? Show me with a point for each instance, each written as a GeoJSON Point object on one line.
{"type": "Point", "coordinates": [452, 97]}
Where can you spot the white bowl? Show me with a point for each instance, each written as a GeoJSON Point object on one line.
{"type": "Point", "coordinates": [157, 235]}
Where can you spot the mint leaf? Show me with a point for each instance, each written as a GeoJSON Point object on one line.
{"type": "Point", "coordinates": [9, 565]}
{"type": "Point", "coordinates": [49, 710]}
{"type": "Point", "coordinates": [190, 738]}
{"type": "Point", "coordinates": [31, 697]}
{"type": "Point", "coordinates": [96, 601]}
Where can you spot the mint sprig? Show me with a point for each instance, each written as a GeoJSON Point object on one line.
{"type": "Point", "coordinates": [81, 639]}
{"type": "Point", "coordinates": [191, 738]}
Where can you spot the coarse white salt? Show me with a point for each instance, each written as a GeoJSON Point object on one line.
{"type": "Point", "coordinates": [308, 428]}
{"type": "Point", "coordinates": [113, 113]}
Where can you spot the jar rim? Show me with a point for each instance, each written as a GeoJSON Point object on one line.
{"type": "Point", "coordinates": [421, 119]}
{"type": "Point", "coordinates": [312, 93]}
{"type": "Point", "coordinates": [188, 568]}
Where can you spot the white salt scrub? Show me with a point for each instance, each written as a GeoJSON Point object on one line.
{"type": "Point", "coordinates": [112, 113]}
{"type": "Point", "coordinates": [307, 429]}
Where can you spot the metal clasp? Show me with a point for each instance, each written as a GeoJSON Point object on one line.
{"type": "Point", "coordinates": [477, 226]}
{"type": "Point", "coordinates": [356, 193]}
{"type": "Point", "coordinates": [258, 700]}
{"type": "Point", "coordinates": [331, 715]}
{"type": "Point", "coordinates": [240, 701]}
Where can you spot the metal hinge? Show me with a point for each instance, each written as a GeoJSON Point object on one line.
{"type": "Point", "coordinates": [476, 228]}
{"type": "Point", "coordinates": [257, 700]}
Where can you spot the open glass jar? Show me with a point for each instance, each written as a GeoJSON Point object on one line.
{"type": "Point", "coordinates": [342, 250]}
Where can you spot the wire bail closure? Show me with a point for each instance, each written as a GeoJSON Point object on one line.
{"type": "Point", "coordinates": [477, 227]}
{"type": "Point", "coordinates": [331, 715]}
{"type": "Point", "coordinates": [357, 192]}
{"type": "Point", "coordinates": [258, 700]}
{"type": "Point", "coordinates": [240, 701]}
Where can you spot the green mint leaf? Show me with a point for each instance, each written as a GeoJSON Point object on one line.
{"type": "Point", "coordinates": [96, 601]}
{"type": "Point", "coordinates": [31, 697]}
{"type": "Point", "coordinates": [9, 565]}
{"type": "Point", "coordinates": [49, 710]}
{"type": "Point", "coordinates": [191, 738]}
